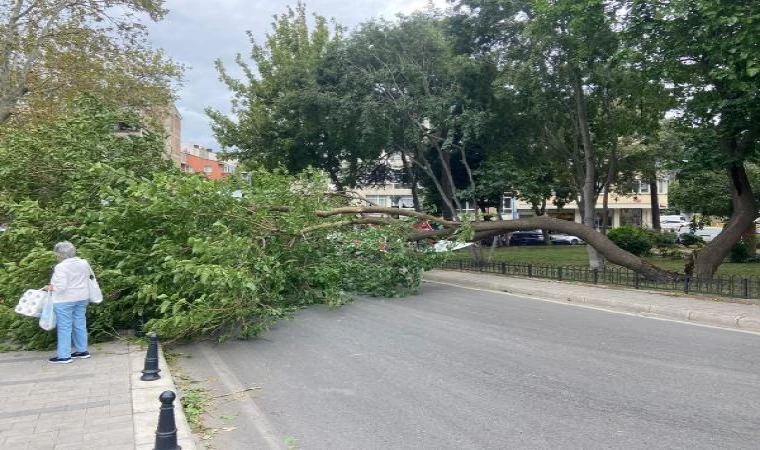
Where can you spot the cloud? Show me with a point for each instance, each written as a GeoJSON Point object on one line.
{"type": "Point", "coordinates": [197, 32]}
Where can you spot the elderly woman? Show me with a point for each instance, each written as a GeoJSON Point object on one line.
{"type": "Point", "coordinates": [70, 298]}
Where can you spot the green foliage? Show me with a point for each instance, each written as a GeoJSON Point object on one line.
{"type": "Point", "coordinates": [53, 51]}
{"type": "Point", "coordinates": [367, 250]}
{"type": "Point", "coordinates": [688, 193]}
{"type": "Point", "coordinates": [176, 251]}
{"type": "Point", "coordinates": [740, 252]}
{"type": "Point", "coordinates": [689, 239]}
{"type": "Point", "coordinates": [288, 111]}
{"type": "Point", "coordinates": [661, 240]}
{"type": "Point", "coordinates": [632, 239]}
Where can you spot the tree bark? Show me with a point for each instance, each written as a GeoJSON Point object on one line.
{"type": "Point", "coordinates": [447, 183]}
{"type": "Point", "coordinates": [414, 177]}
{"type": "Point", "coordinates": [605, 207]}
{"type": "Point", "coordinates": [654, 198]}
{"type": "Point", "coordinates": [745, 212]}
{"type": "Point", "coordinates": [589, 180]}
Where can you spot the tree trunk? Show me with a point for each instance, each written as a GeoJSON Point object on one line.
{"type": "Point", "coordinates": [750, 237]}
{"type": "Point", "coordinates": [654, 198]}
{"type": "Point", "coordinates": [605, 208]}
{"type": "Point", "coordinates": [447, 185]}
{"type": "Point", "coordinates": [413, 175]}
{"type": "Point", "coordinates": [545, 231]}
{"type": "Point", "coordinates": [745, 212]}
{"type": "Point", "coordinates": [470, 177]}
{"type": "Point", "coordinates": [589, 181]}
{"type": "Point", "coordinates": [424, 164]}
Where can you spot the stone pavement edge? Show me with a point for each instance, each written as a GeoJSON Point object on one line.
{"type": "Point", "coordinates": [686, 308]}
{"type": "Point", "coordinates": [91, 404]}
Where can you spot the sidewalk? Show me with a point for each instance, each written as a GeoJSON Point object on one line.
{"type": "Point", "coordinates": [673, 306]}
{"type": "Point", "coordinates": [96, 403]}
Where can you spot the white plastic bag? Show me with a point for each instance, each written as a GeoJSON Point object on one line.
{"type": "Point", "coordinates": [47, 316]}
{"type": "Point", "coordinates": [30, 304]}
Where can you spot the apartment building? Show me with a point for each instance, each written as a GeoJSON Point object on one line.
{"type": "Point", "coordinates": [390, 194]}
{"type": "Point", "coordinates": [633, 209]}
{"type": "Point", "coordinates": [166, 119]}
{"type": "Point", "coordinates": [196, 158]}
{"type": "Point", "coordinates": [172, 122]}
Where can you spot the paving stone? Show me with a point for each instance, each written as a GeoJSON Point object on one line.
{"type": "Point", "coordinates": [87, 405]}
{"type": "Point", "coordinates": [123, 436]}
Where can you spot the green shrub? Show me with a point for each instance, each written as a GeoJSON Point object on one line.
{"type": "Point", "coordinates": [740, 252]}
{"type": "Point", "coordinates": [688, 239]}
{"type": "Point", "coordinates": [632, 239]}
{"type": "Point", "coordinates": [661, 240]}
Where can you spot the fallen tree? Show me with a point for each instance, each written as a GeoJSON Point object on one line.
{"type": "Point", "coordinates": [482, 230]}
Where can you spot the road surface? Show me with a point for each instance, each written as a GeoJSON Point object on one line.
{"type": "Point", "coordinates": [457, 368]}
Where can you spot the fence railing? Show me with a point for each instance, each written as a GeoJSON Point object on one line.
{"type": "Point", "coordinates": [720, 285]}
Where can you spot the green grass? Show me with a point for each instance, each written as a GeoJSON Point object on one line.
{"type": "Point", "coordinates": [566, 255]}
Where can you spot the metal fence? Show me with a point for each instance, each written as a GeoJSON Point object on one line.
{"type": "Point", "coordinates": [720, 285]}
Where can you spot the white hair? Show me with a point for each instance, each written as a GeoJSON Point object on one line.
{"type": "Point", "coordinates": [64, 250]}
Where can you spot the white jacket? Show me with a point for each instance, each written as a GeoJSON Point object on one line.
{"type": "Point", "coordinates": [70, 280]}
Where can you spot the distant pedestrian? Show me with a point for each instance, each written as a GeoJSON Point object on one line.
{"type": "Point", "coordinates": [69, 285]}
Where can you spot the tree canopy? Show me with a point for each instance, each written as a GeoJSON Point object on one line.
{"type": "Point", "coordinates": [53, 51]}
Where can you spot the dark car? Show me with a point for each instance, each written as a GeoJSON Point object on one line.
{"type": "Point", "coordinates": [527, 238]}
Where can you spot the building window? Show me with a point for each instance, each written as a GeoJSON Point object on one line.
{"type": "Point", "coordinates": [208, 169]}
{"type": "Point", "coordinates": [406, 202]}
{"type": "Point", "coordinates": [643, 187]}
{"type": "Point", "coordinates": [379, 200]}
{"type": "Point", "coordinates": [467, 208]}
{"type": "Point", "coordinates": [662, 186]}
{"type": "Point", "coordinates": [506, 204]}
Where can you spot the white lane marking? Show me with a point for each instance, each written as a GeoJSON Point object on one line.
{"type": "Point", "coordinates": [596, 307]}
{"type": "Point", "coordinates": [253, 412]}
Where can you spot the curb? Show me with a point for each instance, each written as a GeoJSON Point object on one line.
{"type": "Point", "coordinates": [146, 406]}
{"type": "Point", "coordinates": [693, 310]}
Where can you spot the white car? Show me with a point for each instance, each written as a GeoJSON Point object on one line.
{"type": "Point", "coordinates": [708, 233]}
{"type": "Point", "coordinates": [449, 246]}
{"type": "Point", "coordinates": [565, 239]}
{"type": "Point", "coordinates": [674, 223]}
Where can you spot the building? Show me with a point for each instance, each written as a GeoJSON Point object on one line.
{"type": "Point", "coordinates": [172, 122]}
{"type": "Point", "coordinates": [390, 194]}
{"type": "Point", "coordinates": [632, 209]}
{"type": "Point", "coordinates": [169, 119]}
{"type": "Point", "coordinates": [196, 158]}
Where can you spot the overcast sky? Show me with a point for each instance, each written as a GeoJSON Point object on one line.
{"type": "Point", "coordinates": [196, 32]}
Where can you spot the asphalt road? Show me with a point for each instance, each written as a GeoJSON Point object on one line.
{"type": "Point", "coordinates": [463, 369]}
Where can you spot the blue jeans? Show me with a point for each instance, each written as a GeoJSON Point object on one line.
{"type": "Point", "coordinates": [72, 324]}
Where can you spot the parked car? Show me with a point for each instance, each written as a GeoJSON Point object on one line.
{"type": "Point", "coordinates": [565, 239]}
{"type": "Point", "coordinates": [707, 233]}
{"type": "Point", "coordinates": [673, 223]}
{"type": "Point", "coordinates": [527, 238]}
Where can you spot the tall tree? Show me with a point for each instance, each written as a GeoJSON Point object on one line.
{"type": "Point", "coordinates": [565, 60]}
{"type": "Point", "coordinates": [291, 108]}
{"type": "Point", "coordinates": [705, 52]}
{"type": "Point", "coordinates": [432, 100]}
{"type": "Point", "coordinates": [52, 51]}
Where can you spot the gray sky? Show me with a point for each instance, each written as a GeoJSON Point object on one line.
{"type": "Point", "coordinates": [196, 32]}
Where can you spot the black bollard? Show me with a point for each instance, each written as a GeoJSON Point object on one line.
{"type": "Point", "coordinates": [166, 432]}
{"type": "Point", "coordinates": [150, 372]}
